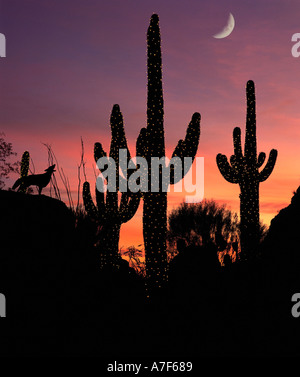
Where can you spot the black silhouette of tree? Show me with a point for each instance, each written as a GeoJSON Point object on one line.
{"type": "Point", "coordinates": [134, 259]}
{"type": "Point", "coordinates": [6, 167]}
{"type": "Point", "coordinates": [205, 224]}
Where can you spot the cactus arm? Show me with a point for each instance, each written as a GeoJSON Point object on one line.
{"type": "Point", "coordinates": [110, 206]}
{"type": "Point", "coordinates": [124, 202]}
{"type": "Point", "coordinates": [226, 170]}
{"type": "Point", "coordinates": [267, 170]}
{"type": "Point", "coordinates": [234, 163]}
{"type": "Point", "coordinates": [178, 152]}
{"type": "Point", "coordinates": [116, 125]}
{"type": "Point", "coordinates": [100, 201]}
{"type": "Point", "coordinates": [142, 143]}
{"type": "Point", "coordinates": [117, 128]}
{"type": "Point", "coordinates": [128, 207]}
{"type": "Point", "coordinates": [99, 153]}
{"type": "Point", "coordinates": [192, 137]}
{"type": "Point", "coordinates": [128, 210]}
{"type": "Point", "coordinates": [237, 159]}
{"type": "Point", "coordinates": [237, 146]}
{"type": "Point", "coordinates": [118, 139]}
{"type": "Point", "coordinates": [250, 139]}
{"type": "Point", "coordinates": [179, 149]}
{"type": "Point", "coordinates": [24, 170]}
{"type": "Point", "coordinates": [187, 147]}
{"type": "Point", "coordinates": [88, 202]}
{"type": "Point", "coordinates": [261, 159]}
{"type": "Point", "coordinates": [25, 164]}
{"type": "Point", "coordinates": [118, 142]}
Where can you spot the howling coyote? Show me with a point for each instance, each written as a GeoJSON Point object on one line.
{"type": "Point", "coordinates": [39, 180]}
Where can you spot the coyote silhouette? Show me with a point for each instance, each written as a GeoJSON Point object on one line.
{"type": "Point", "coordinates": [39, 180]}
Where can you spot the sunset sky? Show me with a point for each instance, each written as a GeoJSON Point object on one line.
{"type": "Point", "coordinates": [69, 61]}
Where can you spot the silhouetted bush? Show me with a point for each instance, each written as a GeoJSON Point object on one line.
{"type": "Point", "coordinates": [204, 224]}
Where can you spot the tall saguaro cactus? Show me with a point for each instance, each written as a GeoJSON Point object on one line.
{"type": "Point", "coordinates": [109, 211]}
{"type": "Point", "coordinates": [244, 170]}
{"type": "Point", "coordinates": [151, 142]}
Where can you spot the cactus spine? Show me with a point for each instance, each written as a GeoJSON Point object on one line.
{"type": "Point", "coordinates": [151, 143]}
{"type": "Point", "coordinates": [109, 213]}
{"type": "Point", "coordinates": [244, 170]}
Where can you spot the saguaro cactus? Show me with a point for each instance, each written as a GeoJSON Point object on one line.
{"type": "Point", "coordinates": [151, 143]}
{"type": "Point", "coordinates": [24, 169]}
{"type": "Point", "coordinates": [109, 212]}
{"type": "Point", "coordinates": [244, 170]}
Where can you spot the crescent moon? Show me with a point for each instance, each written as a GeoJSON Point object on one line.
{"type": "Point", "coordinates": [227, 30]}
